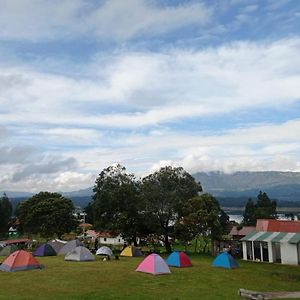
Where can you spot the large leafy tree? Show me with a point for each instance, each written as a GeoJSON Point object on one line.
{"type": "Point", "coordinates": [202, 216]}
{"type": "Point", "coordinates": [164, 192]}
{"type": "Point", "coordinates": [5, 213]}
{"type": "Point", "coordinates": [47, 214]}
{"type": "Point", "coordinates": [117, 204]}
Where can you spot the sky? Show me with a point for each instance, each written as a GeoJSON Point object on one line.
{"type": "Point", "coordinates": [206, 85]}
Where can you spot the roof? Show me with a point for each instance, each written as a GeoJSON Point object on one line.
{"type": "Point", "coordinates": [107, 234]}
{"type": "Point", "coordinates": [269, 236]}
{"type": "Point", "coordinates": [16, 241]}
{"type": "Point", "coordinates": [243, 231]}
{"type": "Point", "coordinates": [85, 225]}
{"type": "Point", "coordinates": [278, 225]}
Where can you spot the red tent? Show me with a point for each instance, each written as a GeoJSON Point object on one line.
{"type": "Point", "coordinates": [20, 261]}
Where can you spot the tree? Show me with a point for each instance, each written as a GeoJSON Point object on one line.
{"type": "Point", "coordinates": [47, 214]}
{"type": "Point", "coordinates": [202, 216]}
{"type": "Point", "coordinates": [5, 213]}
{"type": "Point", "coordinates": [117, 204]}
{"type": "Point", "coordinates": [164, 193]}
{"type": "Point", "coordinates": [265, 208]}
{"type": "Point", "coordinates": [249, 217]}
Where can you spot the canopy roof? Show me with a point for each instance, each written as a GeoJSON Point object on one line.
{"type": "Point", "coordinates": [263, 236]}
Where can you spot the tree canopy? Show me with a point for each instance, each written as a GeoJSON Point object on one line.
{"type": "Point", "coordinates": [117, 204]}
{"type": "Point", "coordinates": [164, 192]}
{"type": "Point", "coordinates": [5, 213]}
{"type": "Point", "coordinates": [47, 214]}
{"type": "Point", "coordinates": [264, 208]}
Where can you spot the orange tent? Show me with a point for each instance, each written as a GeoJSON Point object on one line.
{"type": "Point", "coordinates": [20, 261]}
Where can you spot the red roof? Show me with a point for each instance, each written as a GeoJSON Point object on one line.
{"type": "Point", "coordinates": [17, 241]}
{"type": "Point", "coordinates": [85, 225]}
{"type": "Point", "coordinates": [243, 231]}
{"type": "Point", "coordinates": [278, 225]}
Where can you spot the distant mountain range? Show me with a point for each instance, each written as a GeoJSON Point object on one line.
{"type": "Point", "coordinates": [282, 186]}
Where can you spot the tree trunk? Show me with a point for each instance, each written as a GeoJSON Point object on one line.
{"type": "Point", "coordinates": [196, 244]}
{"type": "Point", "coordinates": [167, 243]}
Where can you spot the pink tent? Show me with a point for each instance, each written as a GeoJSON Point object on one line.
{"type": "Point", "coordinates": [153, 264]}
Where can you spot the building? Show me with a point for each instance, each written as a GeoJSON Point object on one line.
{"type": "Point", "coordinates": [237, 233]}
{"type": "Point", "coordinates": [110, 238]}
{"type": "Point", "coordinates": [273, 241]}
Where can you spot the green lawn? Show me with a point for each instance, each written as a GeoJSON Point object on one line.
{"type": "Point", "coordinates": [118, 280]}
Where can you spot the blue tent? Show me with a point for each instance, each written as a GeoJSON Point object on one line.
{"type": "Point", "coordinates": [178, 259]}
{"type": "Point", "coordinates": [225, 260]}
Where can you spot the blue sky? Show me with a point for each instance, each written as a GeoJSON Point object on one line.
{"type": "Point", "coordinates": [207, 85]}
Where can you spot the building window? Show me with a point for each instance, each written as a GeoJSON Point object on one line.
{"type": "Point", "coordinates": [104, 239]}
{"type": "Point", "coordinates": [119, 240]}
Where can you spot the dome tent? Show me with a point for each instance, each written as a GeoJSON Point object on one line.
{"type": "Point", "coordinates": [104, 251]}
{"type": "Point", "coordinates": [20, 261]}
{"type": "Point", "coordinates": [178, 259]}
{"type": "Point", "coordinates": [69, 246]}
{"type": "Point", "coordinates": [154, 265]}
{"type": "Point", "coordinates": [80, 254]}
{"type": "Point", "coordinates": [131, 251]}
{"type": "Point", "coordinates": [225, 260]}
{"type": "Point", "coordinates": [45, 250]}
{"type": "Point", "coordinates": [7, 250]}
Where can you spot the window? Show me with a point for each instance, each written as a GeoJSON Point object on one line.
{"type": "Point", "coordinates": [104, 239]}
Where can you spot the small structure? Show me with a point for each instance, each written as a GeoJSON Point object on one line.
{"type": "Point", "coordinates": [110, 238]}
{"type": "Point", "coordinates": [45, 250]}
{"type": "Point", "coordinates": [154, 265]}
{"type": "Point", "coordinates": [104, 251]}
{"type": "Point", "coordinates": [80, 254]}
{"type": "Point", "coordinates": [237, 233]}
{"type": "Point", "coordinates": [69, 246]}
{"type": "Point", "coordinates": [225, 260]}
{"type": "Point", "coordinates": [131, 251]}
{"type": "Point", "coordinates": [7, 250]}
{"type": "Point", "coordinates": [20, 261]}
{"type": "Point", "coordinates": [273, 241]}
{"type": "Point", "coordinates": [178, 259]}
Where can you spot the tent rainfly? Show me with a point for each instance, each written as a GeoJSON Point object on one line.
{"type": "Point", "coordinates": [80, 254]}
{"type": "Point", "coordinates": [69, 246]}
{"type": "Point", "coordinates": [154, 265]}
{"type": "Point", "coordinates": [45, 250]}
{"type": "Point", "coordinates": [20, 261]}
{"type": "Point", "coordinates": [131, 251]}
{"type": "Point", "coordinates": [225, 260]}
{"type": "Point", "coordinates": [7, 250]}
{"type": "Point", "coordinates": [178, 259]}
{"type": "Point", "coordinates": [104, 251]}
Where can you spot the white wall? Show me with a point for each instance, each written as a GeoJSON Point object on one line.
{"type": "Point", "coordinates": [111, 241]}
{"type": "Point", "coordinates": [289, 254]}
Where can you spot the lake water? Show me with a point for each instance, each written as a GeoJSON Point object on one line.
{"type": "Point", "coordinates": [239, 218]}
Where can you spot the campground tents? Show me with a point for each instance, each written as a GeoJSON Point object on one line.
{"type": "Point", "coordinates": [178, 259]}
{"type": "Point", "coordinates": [154, 265]}
{"type": "Point", "coordinates": [104, 251]}
{"type": "Point", "coordinates": [20, 261]}
{"type": "Point", "coordinates": [69, 246]}
{"type": "Point", "coordinates": [56, 245]}
{"type": "Point", "coordinates": [45, 250]}
{"type": "Point", "coordinates": [7, 250]}
{"type": "Point", "coordinates": [131, 251]}
{"type": "Point", "coordinates": [80, 254]}
{"type": "Point", "coordinates": [225, 260]}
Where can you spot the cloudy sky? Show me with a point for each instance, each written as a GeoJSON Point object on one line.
{"type": "Point", "coordinates": [207, 85]}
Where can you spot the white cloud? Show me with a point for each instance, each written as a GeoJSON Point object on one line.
{"type": "Point", "coordinates": [158, 88]}
{"type": "Point", "coordinates": [113, 19]}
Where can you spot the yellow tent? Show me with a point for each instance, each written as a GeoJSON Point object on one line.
{"type": "Point", "coordinates": [131, 251]}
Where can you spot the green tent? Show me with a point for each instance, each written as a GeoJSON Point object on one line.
{"type": "Point", "coordinates": [8, 250]}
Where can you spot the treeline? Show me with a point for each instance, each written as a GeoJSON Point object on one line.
{"type": "Point", "coordinates": [165, 204]}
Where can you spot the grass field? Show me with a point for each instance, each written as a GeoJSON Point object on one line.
{"type": "Point", "coordinates": [118, 280]}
